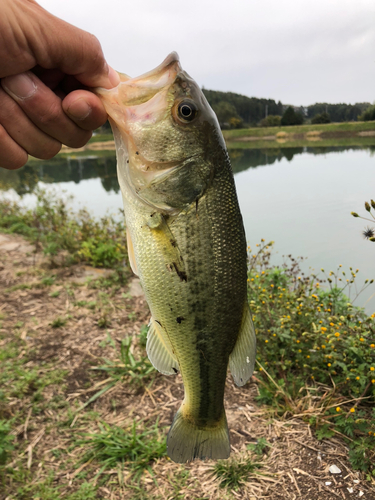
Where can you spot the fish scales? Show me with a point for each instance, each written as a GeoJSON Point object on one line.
{"type": "Point", "coordinates": [189, 250]}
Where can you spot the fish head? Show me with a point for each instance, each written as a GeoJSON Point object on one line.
{"type": "Point", "coordinates": [163, 125]}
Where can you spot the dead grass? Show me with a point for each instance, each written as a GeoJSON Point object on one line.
{"type": "Point", "coordinates": [48, 424]}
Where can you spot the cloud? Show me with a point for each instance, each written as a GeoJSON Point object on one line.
{"type": "Point", "coordinates": [299, 52]}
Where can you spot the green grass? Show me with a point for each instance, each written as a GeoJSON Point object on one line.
{"type": "Point", "coordinates": [300, 143]}
{"type": "Point", "coordinates": [132, 447]}
{"type": "Point", "coordinates": [232, 473]}
{"type": "Point", "coordinates": [53, 227]}
{"type": "Point", "coordinates": [135, 370]}
{"type": "Point", "coordinates": [352, 127]}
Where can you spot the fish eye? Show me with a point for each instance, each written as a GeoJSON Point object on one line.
{"type": "Point", "coordinates": [187, 111]}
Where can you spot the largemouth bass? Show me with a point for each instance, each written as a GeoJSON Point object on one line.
{"type": "Point", "coordinates": [186, 242]}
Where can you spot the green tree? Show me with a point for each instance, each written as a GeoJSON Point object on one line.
{"type": "Point", "coordinates": [227, 115]}
{"type": "Point", "coordinates": [368, 115]}
{"type": "Point", "coordinates": [290, 117]}
{"type": "Point", "coordinates": [321, 118]}
{"type": "Point", "coordinates": [271, 121]}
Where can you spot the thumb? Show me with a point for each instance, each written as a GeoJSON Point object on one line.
{"type": "Point", "coordinates": [58, 44]}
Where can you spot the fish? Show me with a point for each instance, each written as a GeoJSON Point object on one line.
{"type": "Point", "coordinates": [187, 244]}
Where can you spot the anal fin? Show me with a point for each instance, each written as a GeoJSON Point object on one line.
{"type": "Point", "coordinates": [242, 358]}
{"type": "Point", "coordinates": [159, 349]}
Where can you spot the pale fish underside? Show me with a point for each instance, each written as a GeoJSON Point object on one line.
{"type": "Point", "coordinates": [187, 244]}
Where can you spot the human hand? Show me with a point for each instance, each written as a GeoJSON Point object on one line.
{"type": "Point", "coordinates": [46, 66]}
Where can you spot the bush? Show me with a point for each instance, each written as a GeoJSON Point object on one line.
{"type": "Point", "coordinates": [321, 118]}
{"type": "Point", "coordinates": [53, 227]}
{"type": "Point", "coordinates": [313, 337]}
{"type": "Point", "coordinates": [368, 115]}
{"type": "Point", "coordinates": [271, 121]}
{"type": "Point", "coordinates": [290, 117]}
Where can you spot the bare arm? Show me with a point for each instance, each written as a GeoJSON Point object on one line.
{"type": "Point", "coordinates": [46, 65]}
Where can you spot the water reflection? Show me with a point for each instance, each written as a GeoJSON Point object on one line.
{"type": "Point", "coordinates": [62, 169]}
{"type": "Point", "coordinates": [103, 166]}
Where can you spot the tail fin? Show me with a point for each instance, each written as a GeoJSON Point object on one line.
{"type": "Point", "coordinates": [186, 441]}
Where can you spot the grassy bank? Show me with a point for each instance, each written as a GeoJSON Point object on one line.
{"type": "Point", "coordinates": [301, 142]}
{"type": "Point", "coordinates": [321, 135]}
{"type": "Point", "coordinates": [323, 129]}
{"type": "Point", "coordinates": [83, 415]}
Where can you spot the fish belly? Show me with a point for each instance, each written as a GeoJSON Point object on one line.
{"type": "Point", "coordinates": [192, 267]}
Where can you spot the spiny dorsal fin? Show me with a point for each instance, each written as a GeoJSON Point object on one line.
{"type": "Point", "coordinates": [242, 358]}
{"type": "Point", "coordinates": [159, 349]}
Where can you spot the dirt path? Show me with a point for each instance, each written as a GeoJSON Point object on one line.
{"type": "Point", "coordinates": [93, 317]}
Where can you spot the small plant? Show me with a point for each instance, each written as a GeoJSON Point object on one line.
{"type": "Point", "coordinates": [131, 447]}
{"type": "Point", "coordinates": [136, 370]}
{"type": "Point", "coordinates": [232, 473]}
{"type": "Point", "coordinates": [48, 280]}
{"type": "Point", "coordinates": [86, 491]}
{"type": "Point", "coordinates": [104, 321]}
{"type": "Point", "coordinates": [53, 227]}
{"type": "Point", "coordinates": [58, 322]}
{"type": "Point", "coordinates": [6, 441]}
{"type": "Point", "coordinates": [260, 447]}
{"type": "Point", "coordinates": [368, 232]}
{"type": "Point", "coordinates": [143, 335]}
{"type": "Point", "coordinates": [310, 337]}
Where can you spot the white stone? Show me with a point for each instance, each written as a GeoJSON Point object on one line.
{"type": "Point", "coordinates": [334, 469]}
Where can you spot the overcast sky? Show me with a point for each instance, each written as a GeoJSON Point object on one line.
{"type": "Point", "coordinates": [296, 51]}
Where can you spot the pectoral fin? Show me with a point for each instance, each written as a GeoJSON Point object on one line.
{"type": "Point", "coordinates": [167, 244]}
{"type": "Point", "coordinates": [131, 254]}
{"type": "Point", "coordinates": [159, 349]}
{"type": "Point", "coordinates": [242, 358]}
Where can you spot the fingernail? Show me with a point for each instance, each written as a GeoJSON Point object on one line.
{"type": "Point", "coordinates": [113, 76]}
{"type": "Point", "coordinates": [20, 86]}
{"type": "Point", "coordinates": [79, 109]}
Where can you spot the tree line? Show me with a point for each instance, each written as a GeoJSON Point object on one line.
{"type": "Point", "coordinates": [237, 111]}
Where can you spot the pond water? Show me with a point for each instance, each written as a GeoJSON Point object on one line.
{"type": "Point", "coordinates": [299, 197]}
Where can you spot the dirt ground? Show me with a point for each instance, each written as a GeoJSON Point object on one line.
{"type": "Point", "coordinates": [295, 465]}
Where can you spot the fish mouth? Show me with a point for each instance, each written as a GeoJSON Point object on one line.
{"type": "Point", "coordinates": [139, 90]}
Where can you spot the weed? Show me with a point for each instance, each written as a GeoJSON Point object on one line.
{"type": "Point", "coordinates": [54, 294]}
{"type": "Point", "coordinates": [104, 321]}
{"type": "Point", "coordinates": [6, 440]}
{"type": "Point", "coordinates": [58, 322]}
{"type": "Point", "coordinates": [133, 370]}
{"type": "Point", "coordinates": [131, 447]}
{"type": "Point", "coordinates": [52, 226]}
{"type": "Point", "coordinates": [232, 473]}
{"type": "Point", "coordinates": [369, 232]}
{"type": "Point", "coordinates": [311, 336]}
{"type": "Point", "coordinates": [143, 335]}
{"type": "Point", "coordinates": [48, 280]}
{"type": "Point", "coordinates": [260, 447]}
{"type": "Point", "coordinates": [137, 370]}
{"type": "Point", "coordinates": [86, 491]}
